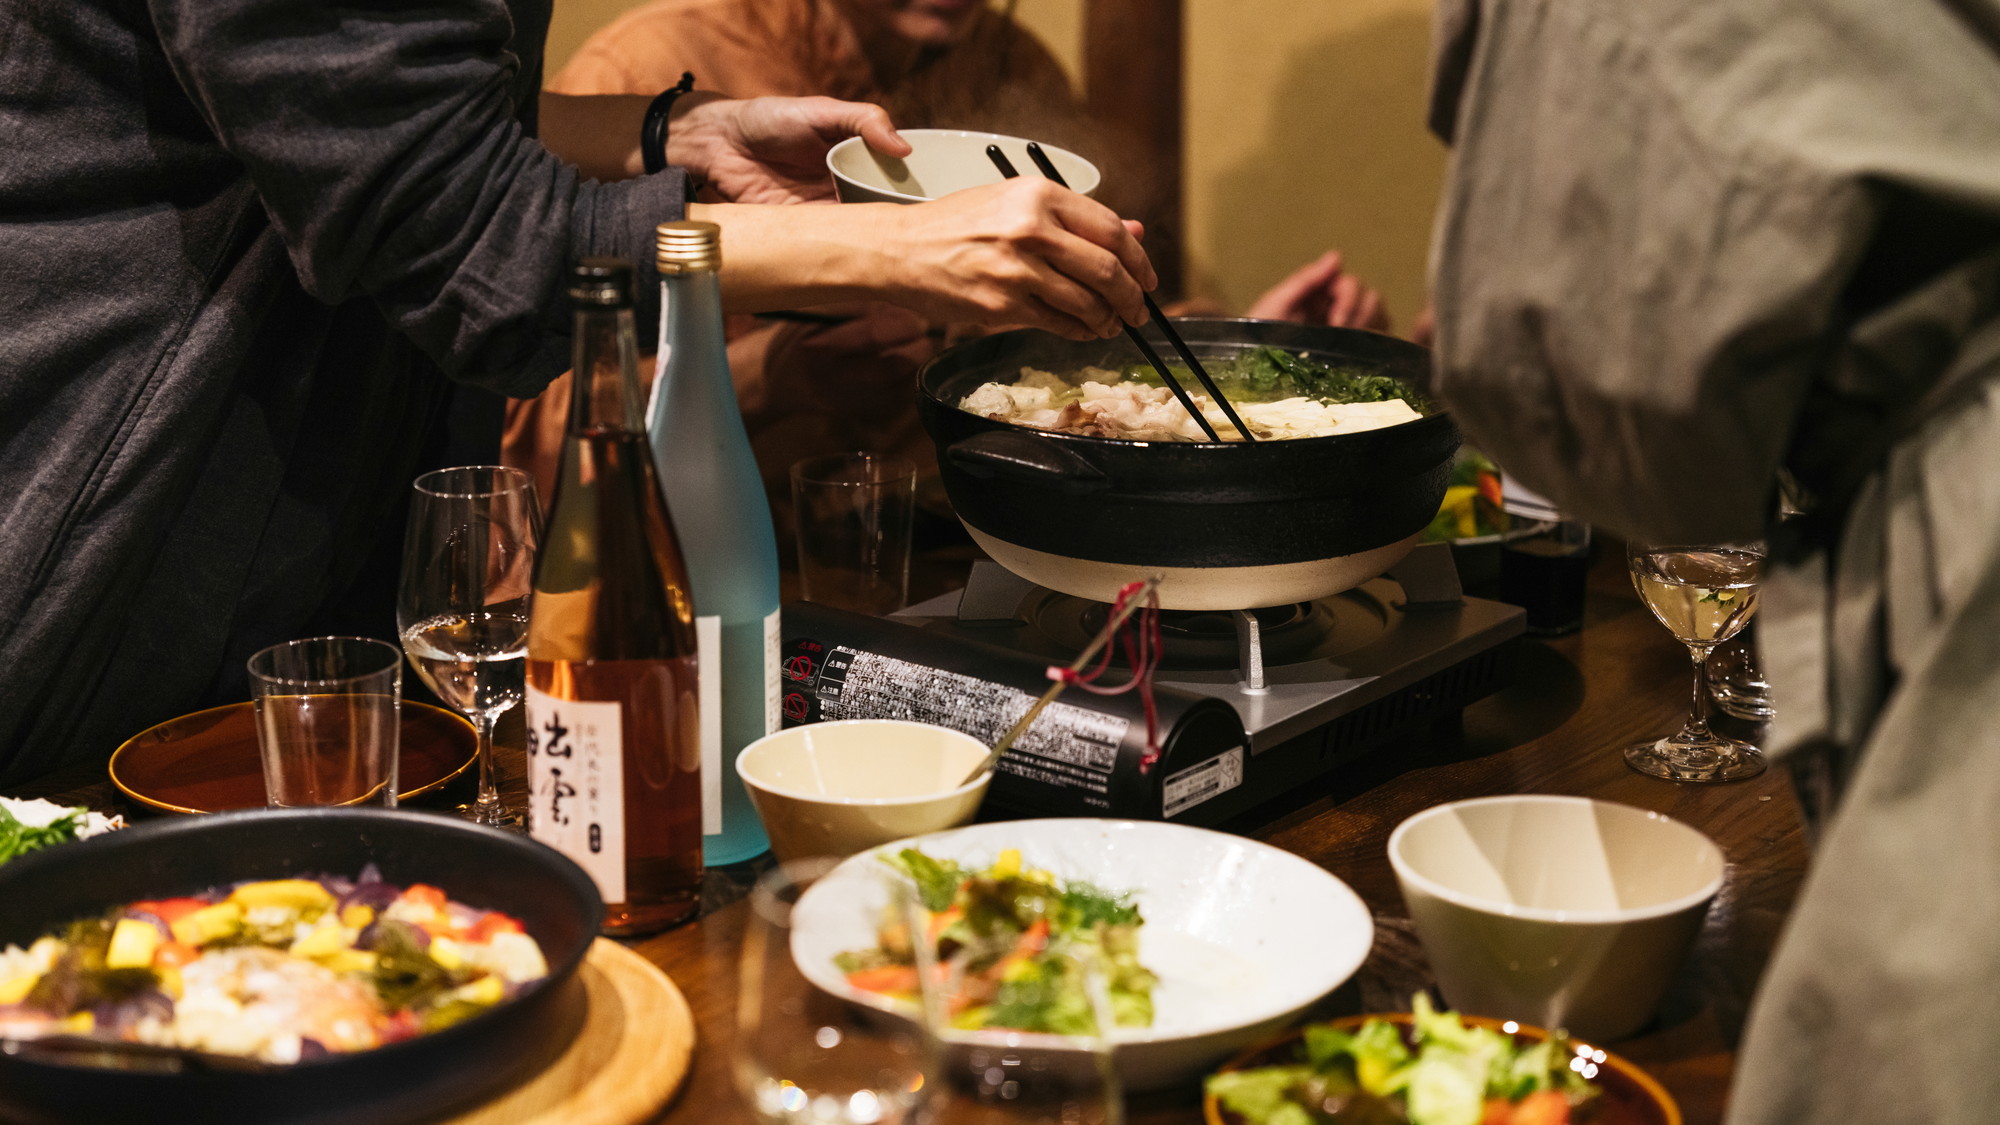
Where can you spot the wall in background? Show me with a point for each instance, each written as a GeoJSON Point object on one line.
{"type": "Point", "coordinates": [1304, 130]}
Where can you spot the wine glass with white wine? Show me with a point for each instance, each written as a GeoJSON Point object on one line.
{"type": "Point", "coordinates": [1704, 595]}
{"type": "Point", "coordinates": [468, 573]}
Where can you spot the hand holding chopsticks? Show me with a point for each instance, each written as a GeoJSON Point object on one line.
{"type": "Point", "coordinates": [1048, 169]}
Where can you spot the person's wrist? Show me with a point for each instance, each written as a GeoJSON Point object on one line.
{"type": "Point", "coordinates": [695, 130]}
{"type": "Point", "coordinates": [776, 256]}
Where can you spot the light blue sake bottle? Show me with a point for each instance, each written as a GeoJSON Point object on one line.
{"type": "Point", "coordinates": [716, 499]}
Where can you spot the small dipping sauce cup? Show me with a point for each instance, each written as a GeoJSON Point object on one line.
{"type": "Point", "coordinates": [838, 788]}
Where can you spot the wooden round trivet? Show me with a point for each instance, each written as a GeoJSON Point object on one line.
{"type": "Point", "coordinates": [628, 1058]}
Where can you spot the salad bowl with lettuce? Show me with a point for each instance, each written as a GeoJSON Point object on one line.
{"type": "Point", "coordinates": [1431, 1067]}
{"type": "Point", "coordinates": [1209, 941]}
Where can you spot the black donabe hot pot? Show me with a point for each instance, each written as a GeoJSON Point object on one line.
{"type": "Point", "coordinates": [1225, 526]}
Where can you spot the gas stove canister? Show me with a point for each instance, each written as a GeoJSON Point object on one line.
{"type": "Point", "coordinates": [1085, 755]}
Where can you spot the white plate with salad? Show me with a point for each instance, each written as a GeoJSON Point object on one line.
{"type": "Point", "coordinates": [1208, 941]}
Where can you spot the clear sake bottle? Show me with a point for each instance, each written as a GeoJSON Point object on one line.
{"type": "Point", "coordinates": [717, 499]}
{"type": "Point", "coordinates": [614, 764]}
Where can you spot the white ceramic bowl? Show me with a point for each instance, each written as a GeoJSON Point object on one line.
{"type": "Point", "coordinates": [833, 789]}
{"type": "Point", "coordinates": [944, 161]}
{"type": "Point", "coordinates": [1242, 935]}
{"type": "Point", "coordinates": [1556, 911]}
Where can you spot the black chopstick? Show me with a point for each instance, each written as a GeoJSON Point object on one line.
{"type": "Point", "coordinates": [1007, 171]}
{"type": "Point", "coordinates": [1001, 162]}
{"type": "Point", "coordinates": [1048, 168]}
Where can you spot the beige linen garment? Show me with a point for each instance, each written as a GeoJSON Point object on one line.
{"type": "Point", "coordinates": [1683, 245]}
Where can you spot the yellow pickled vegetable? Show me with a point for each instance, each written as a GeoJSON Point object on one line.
{"type": "Point", "coordinates": [1008, 865]}
{"type": "Point", "coordinates": [350, 961]}
{"type": "Point", "coordinates": [303, 895]}
{"type": "Point", "coordinates": [324, 940]}
{"type": "Point", "coordinates": [487, 990]}
{"type": "Point", "coordinates": [132, 944]}
{"type": "Point", "coordinates": [15, 989]}
{"type": "Point", "coordinates": [446, 952]}
{"type": "Point", "coordinates": [209, 923]}
{"type": "Point", "coordinates": [357, 916]}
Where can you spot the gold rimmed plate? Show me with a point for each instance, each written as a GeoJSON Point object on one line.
{"type": "Point", "coordinates": [1630, 1095]}
{"type": "Point", "coordinates": [208, 761]}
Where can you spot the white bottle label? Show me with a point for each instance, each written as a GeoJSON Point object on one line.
{"type": "Point", "coordinates": [708, 645]}
{"type": "Point", "coordinates": [576, 785]}
{"type": "Point", "coordinates": [773, 696]}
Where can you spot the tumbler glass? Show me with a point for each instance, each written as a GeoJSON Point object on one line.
{"type": "Point", "coordinates": [329, 712]}
{"type": "Point", "coordinates": [853, 513]}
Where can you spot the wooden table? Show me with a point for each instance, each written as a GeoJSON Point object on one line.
{"type": "Point", "coordinates": [1558, 729]}
{"type": "Point", "coordinates": [1575, 702]}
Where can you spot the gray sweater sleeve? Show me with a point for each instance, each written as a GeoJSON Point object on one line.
{"type": "Point", "coordinates": [384, 141]}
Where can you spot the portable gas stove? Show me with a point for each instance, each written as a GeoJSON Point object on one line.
{"type": "Point", "coordinates": [1252, 704]}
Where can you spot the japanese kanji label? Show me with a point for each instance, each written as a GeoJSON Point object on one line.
{"type": "Point", "coordinates": [576, 779]}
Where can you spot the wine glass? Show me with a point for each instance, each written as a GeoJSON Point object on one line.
{"type": "Point", "coordinates": [1704, 595]}
{"type": "Point", "coordinates": [462, 608]}
{"type": "Point", "coordinates": [806, 1056]}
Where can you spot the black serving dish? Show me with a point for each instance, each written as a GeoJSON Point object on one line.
{"type": "Point", "coordinates": [417, 1078]}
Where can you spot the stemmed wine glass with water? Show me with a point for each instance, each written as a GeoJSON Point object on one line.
{"type": "Point", "coordinates": [1704, 595]}
{"type": "Point", "coordinates": [462, 609]}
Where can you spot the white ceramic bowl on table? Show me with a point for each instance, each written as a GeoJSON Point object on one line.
{"type": "Point", "coordinates": [944, 161]}
{"type": "Point", "coordinates": [1555, 911]}
{"type": "Point", "coordinates": [836, 788]}
{"type": "Point", "coordinates": [1243, 936]}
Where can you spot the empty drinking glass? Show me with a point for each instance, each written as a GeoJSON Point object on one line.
{"type": "Point", "coordinates": [853, 513]}
{"type": "Point", "coordinates": [329, 713]}
{"type": "Point", "coordinates": [805, 1056]}
{"type": "Point", "coordinates": [1007, 1076]}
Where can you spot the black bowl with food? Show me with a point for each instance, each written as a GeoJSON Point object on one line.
{"type": "Point", "coordinates": [1228, 525]}
{"type": "Point", "coordinates": [487, 1031]}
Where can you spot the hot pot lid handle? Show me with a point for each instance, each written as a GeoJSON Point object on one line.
{"type": "Point", "coordinates": [1025, 455]}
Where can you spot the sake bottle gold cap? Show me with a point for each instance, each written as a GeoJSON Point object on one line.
{"type": "Point", "coordinates": [687, 247]}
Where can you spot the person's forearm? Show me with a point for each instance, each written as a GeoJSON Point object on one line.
{"type": "Point", "coordinates": [808, 254]}
{"type": "Point", "coordinates": [599, 133]}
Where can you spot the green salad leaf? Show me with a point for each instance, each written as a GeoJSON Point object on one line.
{"type": "Point", "coordinates": [1263, 1094]}
{"type": "Point", "coordinates": [17, 839]}
{"type": "Point", "coordinates": [1445, 1072]}
{"type": "Point", "coordinates": [937, 879]}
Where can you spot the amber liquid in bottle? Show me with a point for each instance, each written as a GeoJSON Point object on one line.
{"type": "Point", "coordinates": [611, 652]}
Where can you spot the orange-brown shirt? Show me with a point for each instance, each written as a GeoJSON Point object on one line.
{"type": "Point", "coordinates": [808, 389]}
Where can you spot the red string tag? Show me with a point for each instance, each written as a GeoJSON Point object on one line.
{"type": "Point", "coordinates": [1139, 638]}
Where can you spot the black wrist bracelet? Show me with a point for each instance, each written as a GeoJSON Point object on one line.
{"type": "Point", "coordinates": [653, 136]}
